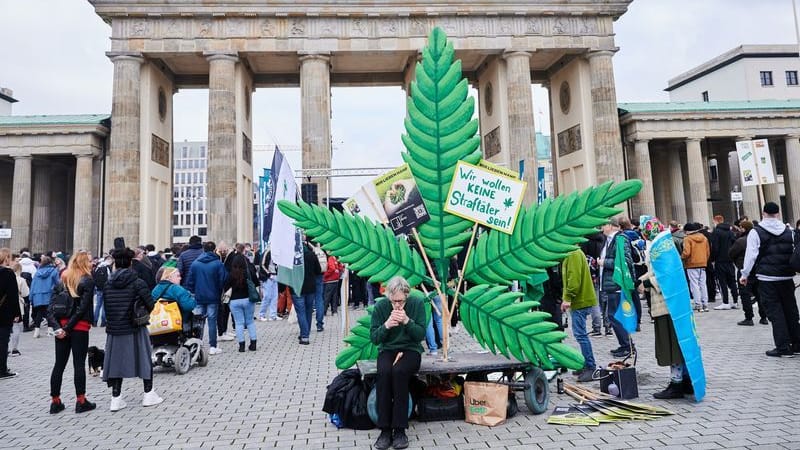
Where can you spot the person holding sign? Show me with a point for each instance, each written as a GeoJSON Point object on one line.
{"type": "Point", "coordinates": [398, 327]}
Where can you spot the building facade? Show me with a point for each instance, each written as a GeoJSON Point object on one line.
{"type": "Point", "coordinates": [189, 201]}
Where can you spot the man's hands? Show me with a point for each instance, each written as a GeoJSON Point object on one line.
{"type": "Point", "coordinates": [743, 281]}
{"type": "Point", "coordinates": [565, 306]}
{"type": "Point", "coordinates": [397, 317]}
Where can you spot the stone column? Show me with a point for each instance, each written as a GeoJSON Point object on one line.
{"type": "Point", "coordinates": [698, 189]}
{"type": "Point", "coordinates": [82, 226]}
{"type": "Point", "coordinates": [646, 197]}
{"type": "Point", "coordinates": [315, 100]}
{"type": "Point", "coordinates": [521, 128]}
{"type": "Point", "coordinates": [724, 176]}
{"type": "Point", "coordinates": [21, 203]}
{"type": "Point", "coordinates": [605, 118]}
{"type": "Point", "coordinates": [791, 178]}
{"type": "Point", "coordinates": [221, 195]}
{"type": "Point", "coordinates": [772, 191]}
{"type": "Point", "coordinates": [676, 185]}
{"type": "Point", "coordinates": [40, 234]}
{"type": "Point", "coordinates": [751, 205]}
{"type": "Point", "coordinates": [123, 208]}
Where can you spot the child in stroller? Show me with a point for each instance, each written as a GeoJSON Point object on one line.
{"type": "Point", "coordinates": [179, 349]}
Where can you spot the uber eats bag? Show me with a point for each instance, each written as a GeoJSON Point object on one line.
{"type": "Point", "coordinates": [165, 318]}
{"type": "Point", "coordinates": [485, 403]}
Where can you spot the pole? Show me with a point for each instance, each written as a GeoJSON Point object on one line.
{"type": "Point", "coordinates": [464, 267]}
{"type": "Point", "coordinates": [445, 308]}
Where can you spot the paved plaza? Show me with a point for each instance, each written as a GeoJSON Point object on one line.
{"type": "Point", "coordinates": [273, 398]}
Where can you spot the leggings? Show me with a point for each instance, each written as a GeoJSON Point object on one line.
{"type": "Point", "coordinates": [77, 343]}
{"type": "Point", "coordinates": [116, 386]}
{"type": "Point", "coordinates": [39, 314]}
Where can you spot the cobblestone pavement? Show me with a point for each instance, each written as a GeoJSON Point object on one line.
{"type": "Point", "coordinates": [273, 398]}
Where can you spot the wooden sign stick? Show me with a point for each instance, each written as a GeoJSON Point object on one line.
{"type": "Point", "coordinates": [445, 309]}
{"type": "Point", "coordinates": [464, 267]}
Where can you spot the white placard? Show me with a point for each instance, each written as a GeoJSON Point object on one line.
{"type": "Point", "coordinates": [754, 162]}
{"type": "Point", "coordinates": [764, 160]}
{"type": "Point", "coordinates": [5, 233]}
{"type": "Point", "coordinates": [736, 197]}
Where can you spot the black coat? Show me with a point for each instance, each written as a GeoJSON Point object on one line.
{"type": "Point", "coordinates": [241, 291]}
{"type": "Point", "coordinates": [737, 251]}
{"type": "Point", "coordinates": [145, 273]}
{"type": "Point", "coordinates": [722, 240]}
{"type": "Point", "coordinates": [83, 306]}
{"type": "Point", "coordinates": [123, 288]}
{"type": "Point", "coordinates": [9, 297]}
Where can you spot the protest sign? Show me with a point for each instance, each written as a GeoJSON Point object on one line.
{"type": "Point", "coordinates": [398, 193]}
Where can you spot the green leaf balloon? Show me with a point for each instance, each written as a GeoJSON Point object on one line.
{"type": "Point", "coordinates": [440, 131]}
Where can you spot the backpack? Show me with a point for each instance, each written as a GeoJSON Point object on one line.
{"type": "Point", "coordinates": [321, 256]}
{"type": "Point", "coordinates": [346, 398]}
{"type": "Point", "coordinates": [61, 302]}
{"type": "Point", "coordinates": [100, 277]}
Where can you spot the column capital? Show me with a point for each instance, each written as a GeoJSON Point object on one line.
{"type": "Point", "coordinates": [125, 56]}
{"type": "Point", "coordinates": [21, 155]}
{"type": "Point", "coordinates": [748, 137]}
{"type": "Point", "coordinates": [224, 56]}
{"type": "Point", "coordinates": [594, 53]}
{"type": "Point", "coordinates": [641, 141]}
{"type": "Point", "coordinates": [90, 153]}
{"type": "Point", "coordinates": [314, 56]}
{"type": "Point", "coordinates": [792, 136]}
{"type": "Point", "coordinates": [692, 139]}
{"type": "Point", "coordinates": [508, 54]}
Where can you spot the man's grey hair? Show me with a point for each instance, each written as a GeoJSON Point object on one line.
{"type": "Point", "coordinates": [397, 285]}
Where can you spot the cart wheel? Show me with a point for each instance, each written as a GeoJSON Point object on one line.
{"type": "Point", "coordinates": [202, 355]}
{"type": "Point", "coordinates": [183, 360]}
{"type": "Point", "coordinates": [372, 405]}
{"type": "Point", "coordinates": [537, 394]}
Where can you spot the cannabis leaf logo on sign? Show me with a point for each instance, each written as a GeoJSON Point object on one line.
{"type": "Point", "coordinates": [508, 203]}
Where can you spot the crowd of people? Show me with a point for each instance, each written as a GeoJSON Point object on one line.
{"type": "Point", "coordinates": [748, 259]}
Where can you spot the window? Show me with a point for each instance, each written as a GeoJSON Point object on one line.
{"type": "Point", "coordinates": [766, 78]}
{"type": "Point", "coordinates": [174, 206]}
{"type": "Point", "coordinates": [202, 231]}
{"type": "Point", "coordinates": [175, 219]}
{"type": "Point", "coordinates": [791, 78]}
{"type": "Point", "coordinates": [705, 96]}
{"type": "Point", "coordinates": [180, 232]}
{"type": "Point", "coordinates": [202, 151]}
{"type": "Point", "coordinates": [184, 152]}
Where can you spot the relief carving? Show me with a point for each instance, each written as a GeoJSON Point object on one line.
{"type": "Point", "coordinates": [205, 28]}
{"type": "Point", "coordinates": [449, 25]}
{"type": "Point", "coordinates": [358, 28]}
{"type": "Point", "coordinates": [418, 27]}
{"type": "Point", "coordinates": [388, 26]}
{"type": "Point", "coordinates": [506, 26]}
{"type": "Point", "coordinates": [588, 26]}
{"type": "Point", "coordinates": [477, 26]}
{"type": "Point", "coordinates": [268, 27]}
{"type": "Point", "coordinates": [491, 143]}
{"type": "Point", "coordinates": [139, 28]}
{"type": "Point", "coordinates": [174, 28]}
{"type": "Point", "coordinates": [328, 27]}
{"type": "Point", "coordinates": [235, 27]}
{"type": "Point", "coordinates": [298, 27]}
{"type": "Point", "coordinates": [570, 141]}
{"type": "Point", "coordinates": [560, 26]}
{"type": "Point", "coordinates": [533, 26]}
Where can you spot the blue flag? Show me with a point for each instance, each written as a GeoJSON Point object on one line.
{"type": "Point", "coordinates": [625, 313]}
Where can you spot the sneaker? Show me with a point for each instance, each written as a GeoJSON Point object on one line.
{"type": "Point", "coordinates": [697, 307]}
{"type": "Point", "coordinates": [621, 353]}
{"type": "Point", "coordinates": [274, 318]}
{"type": "Point", "coordinates": [596, 333]}
{"type": "Point", "coordinates": [320, 329]}
{"type": "Point", "coordinates": [263, 319]}
{"type": "Point", "coordinates": [433, 352]}
{"type": "Point", "coordinates": [745, 323]}
{"type": "Point", "coordinates": [37, 332]}
{"type": "Point", "coordinates": [674, 390]}
{"type": "Point", "coordinates": [734, 306]}
{"type": "Point", "coordinates": [8, 374]}
{"type": "Point", "coordinates": [705, 309]}
{"type": "Point", "coordinates": [214, 350]}
{"type": "Point", "coordinates": [609, 333]}
{"type": "Point", "coordinates": [399, 440]}
{"type": "Point", "coordinates": [232, 333]}
{"type": "Point", "coordinates": [151, 399]}
{"type": "Point", "coordinates": [587, 376]}
{"type": "Point", "coordinates": [304, 341]}
{"type": "Point", "coordinates": [723, 306]}
{"type": "Point", "coordinates": [56, 408]}
{"type": "Point", "coordinates": [225, 338]}
{"type": "Point", "coordinates": [15, 353]}
{"type": "Point", "coordinates": [384, 440]}
{"type": "Point", "coordinates": [764, 321]}
{"type": "Point", "coordinates": [117, 403]}
{"type": "Point", "coordinates": [86, 406]}
{"type": "Point", "coordinates": [780, 353]}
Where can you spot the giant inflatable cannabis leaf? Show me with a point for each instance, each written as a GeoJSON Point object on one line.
{"type": "Point", "coordinates": [440, 132]}
{"type": "Point", "coordinates": [368, 248]}
{"type": "Point", "coordinates": [545, 233]}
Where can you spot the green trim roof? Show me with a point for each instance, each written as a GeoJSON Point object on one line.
{"type": "Point", "coordinates": [71, 119]}
{"type": "Point", "coordinates": [676, 107]}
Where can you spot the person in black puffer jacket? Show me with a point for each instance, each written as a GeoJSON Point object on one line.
{"type": "Point", "coordinates": [128, 347]}
{"type": "Point", "coordinates": [722, 240]}
{"type": "Point", "coordinates": [72, 333]}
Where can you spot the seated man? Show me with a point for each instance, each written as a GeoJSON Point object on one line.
{"type": "Point", "coordinates": [398, 327]}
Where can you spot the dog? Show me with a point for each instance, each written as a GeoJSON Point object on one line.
{"type": "Point", "coordinates": [95, 357]}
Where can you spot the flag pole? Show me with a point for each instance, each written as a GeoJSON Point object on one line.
{"type": "Point", "coordinates": [445, 308]}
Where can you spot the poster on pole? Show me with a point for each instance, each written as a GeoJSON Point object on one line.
{"type": "Point", "coordinates": [398, 194]}
{"type": "Point", "coordinates": [485, 194]}
{"type": "Point", "coordinates": [364, 202]}
{"type": "Point", "coordinates": [764, 161]}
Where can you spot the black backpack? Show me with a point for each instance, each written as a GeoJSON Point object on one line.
{"type": "Point", "coordinates": [61, 302]}
{"type": "Point", "coordinates": [347, 397]}
{"type": "Point", "coordinates": [100, 277]}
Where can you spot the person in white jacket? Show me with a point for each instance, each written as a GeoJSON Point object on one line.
{"type": "Point", "coordinates": [16, 328]}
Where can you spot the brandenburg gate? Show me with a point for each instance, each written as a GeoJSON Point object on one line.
{"type": "Point", "coordinates": [233, 47]}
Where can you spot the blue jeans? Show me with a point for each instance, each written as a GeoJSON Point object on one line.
{"type": "Point", "coordinates": [436, 319]}
{"type": "Point", "coordinates": [211, 316]}
{"type": "Point", "coordinates": [579, 331]}
{"type": "Point", "coordinates": [98, 309]}
{"type": "Point", "coordinates": [242, 310]}
{"type": "Point", "coordinates": [319, 303]}
{"type": "Point", "coordinates": [270, 300]}
{"type": "Point", "coordinates": [612, 304]}
{"type": "Point", "coordinates": [303, 306]}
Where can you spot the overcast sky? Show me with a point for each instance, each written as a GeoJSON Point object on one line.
{"type": "Point", "coordinates": [52, 55]}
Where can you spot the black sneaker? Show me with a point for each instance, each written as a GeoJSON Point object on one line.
{"type": "Point", "coordinates": [578, 372]}
{"type": "Point", "coordinates": [8, 374]}
{"type": "Point", "coordinates": [764, 321]}
{"type": "Point", "coordinates": [384, 440]}
{"type": "Point", "coordinates": [780, 353]}
{"type": "Point", "coordinates": [623, 353]}
{"type": "Point", "coordinates": [15, 353]}
{"type": "Point", "coordinates": [400, 440]}
{"type": "Point", "coordinates": [596, 333]}
{"type": "Point", "coordinates": [674, 390]}
{"type": "Point", "coordinates": [746, 323]}
{"type": "Point", "coordinates": [586, 376]}
{"type": "Point", "coordinates": [304, 341]}
{"type": "Point", "coordinates": [56, 408]}
{"type": "Point", "coordinates": [609, 333]}
{"type": "Point", "coordinates": [320, 329]}
{"type": "Point", "coordinates": [83, 407]}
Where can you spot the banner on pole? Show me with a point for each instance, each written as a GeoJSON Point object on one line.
{"type": "Point", "coordinates": [485, 194]}
{"type": "Point", "coordinates": [365, 202]}
{"type": "Point", "coordinates": [754, 162]}
{"type": "Point", "coordinates": [398, 193]}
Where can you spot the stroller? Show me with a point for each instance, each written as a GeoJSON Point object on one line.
{"type": "Point", "coordinates": [181, 349]}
